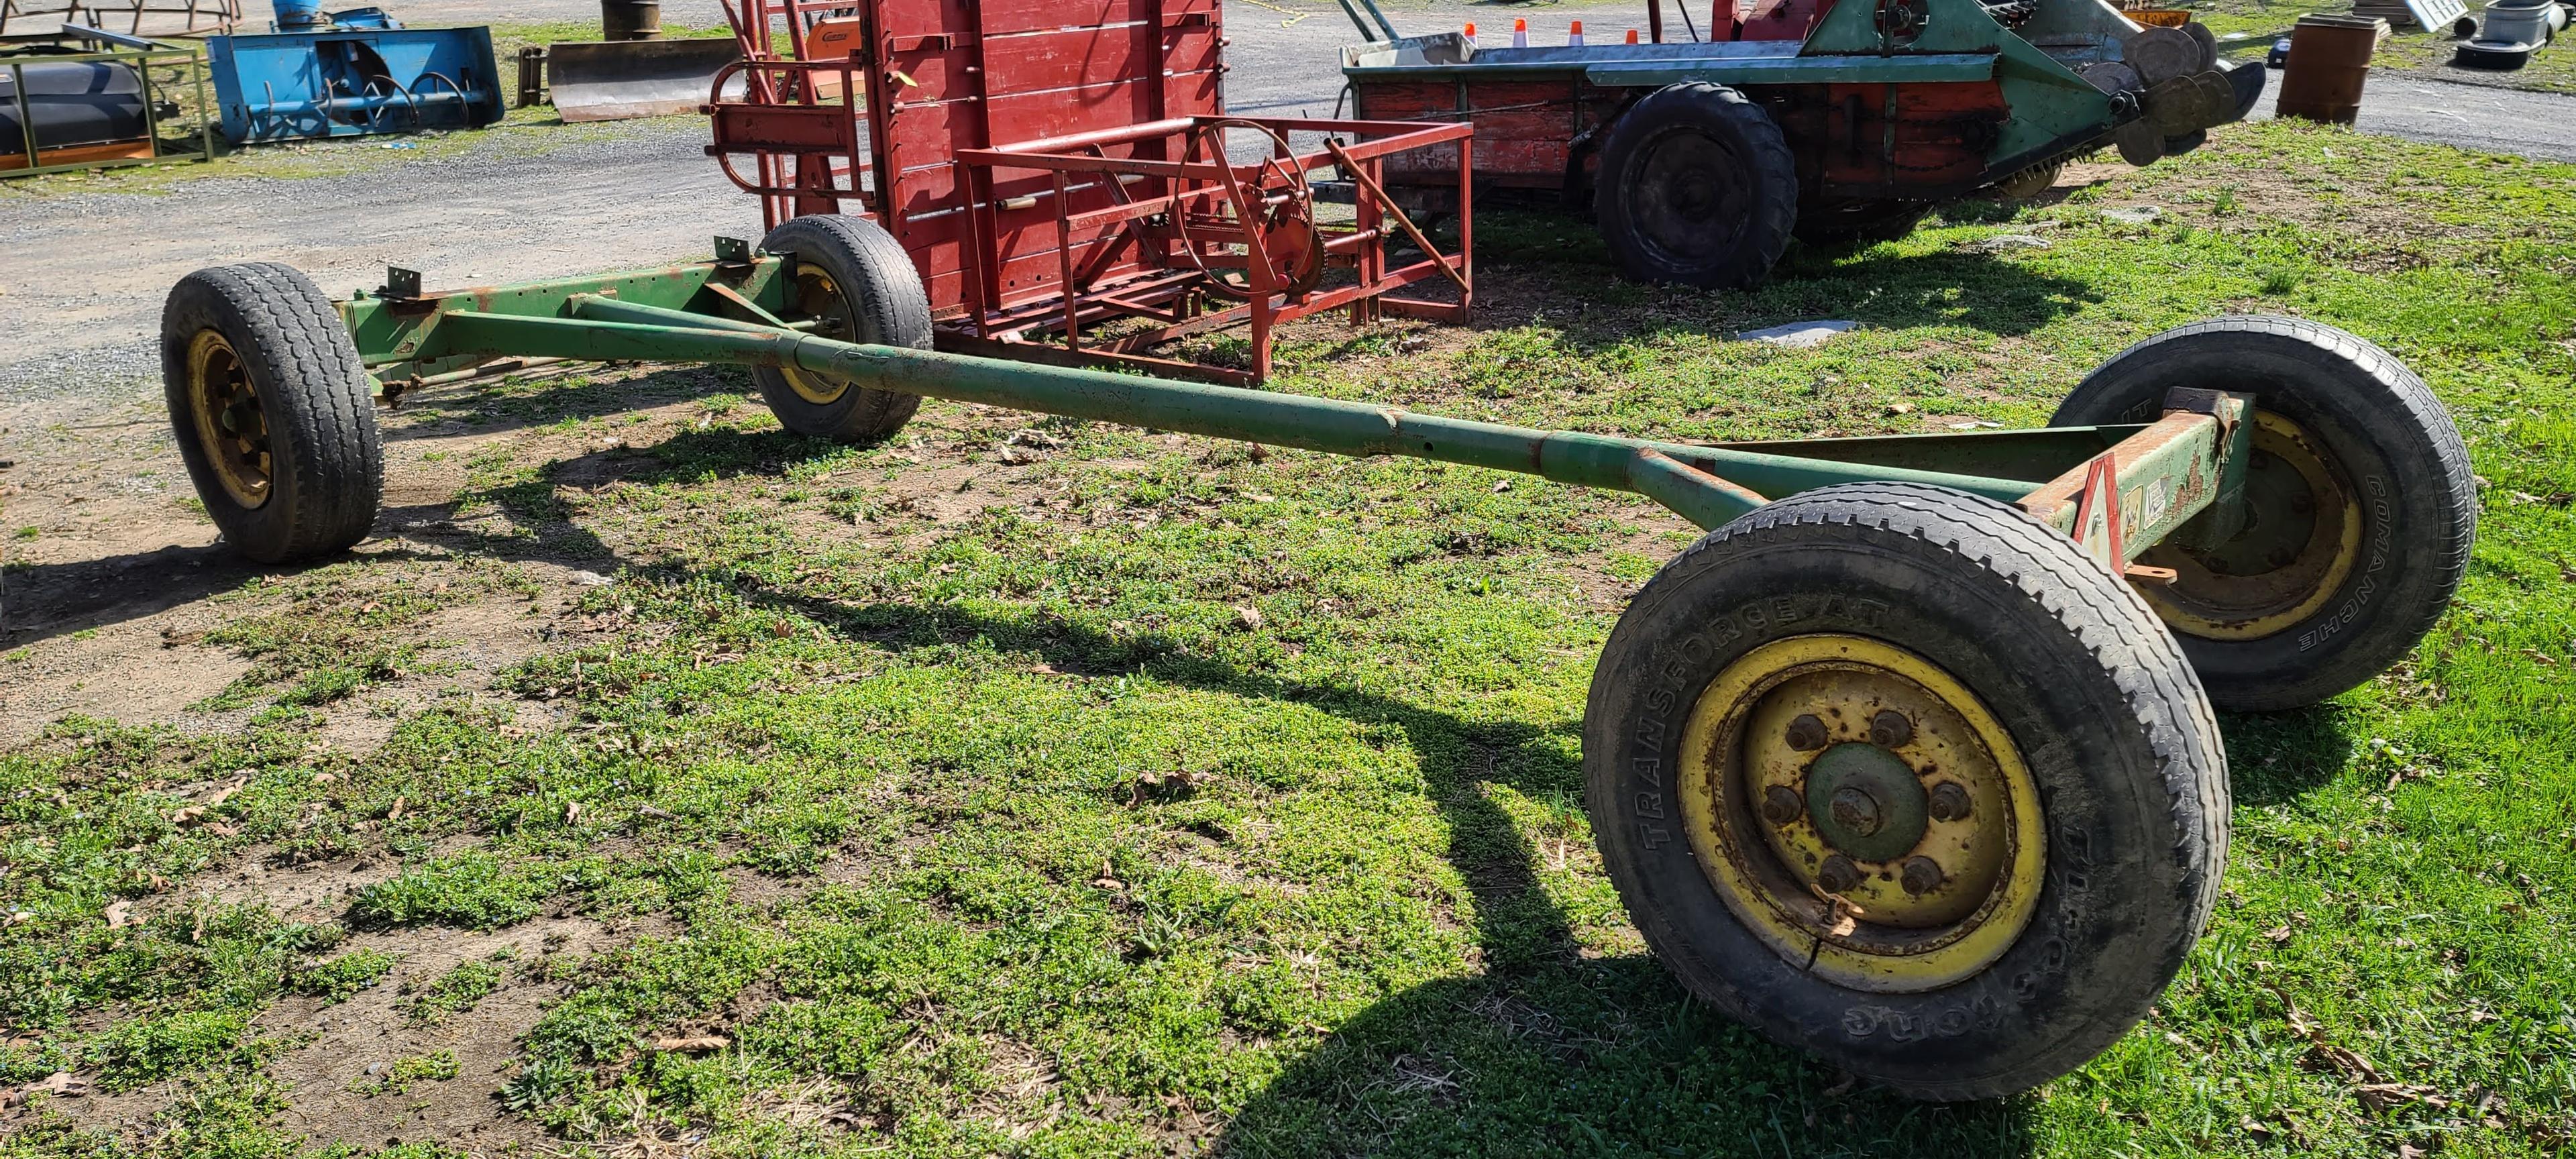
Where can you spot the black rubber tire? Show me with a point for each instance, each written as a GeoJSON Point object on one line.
{"type": "Point", "coordinates": [2247, 80]}
{"type": "Point", "coordinates": [327, 457]}
{"type": "Point", "coordinates": [2494, 58]}
{"type": "Point", "coordinates": [1745, 191]}
{"type": "Point", "coordinates": [883, 304]}
{"type": "Point", "coordinates": [2384, 431]}
{"type": "Point", "coordinates": [1861, 222]}
{"type": "Point", "coordinates": [2119, 739]}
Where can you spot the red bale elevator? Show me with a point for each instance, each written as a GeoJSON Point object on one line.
{"type": "Point", "coordinates": [1065, 179]}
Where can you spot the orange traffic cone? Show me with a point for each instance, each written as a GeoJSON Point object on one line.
{"type": "Point", "coordinates": [1520, 32]}
{"type": "Point", "coordinates": [1574, 39]}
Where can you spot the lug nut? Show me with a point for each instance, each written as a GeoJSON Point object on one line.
{"type": "Point", "coordinates": [1838, 874]}
{"type": "Point", "coordinates": [1921, 875]}
{"type": "Point", "coordinates": [1855, 810]}
{"type": "Point", "coordinates": [1889, 729]}
{"type": "Point", "coordinates": [1949, 801]}
{"type": "Point", "coordinates": [1781, 805]}
{"type": "Point", "coordinates": [1806, 734]}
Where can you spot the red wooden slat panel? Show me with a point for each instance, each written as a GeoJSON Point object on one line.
{"type": "Point", "coordinates": [1556, 124]}
{"type": "Point", "coordinates": [1406, 102]}
{"type": "Point", "coordinates": [1513, 94]}
{"type": "Point", "coordinates": [1089, 57]}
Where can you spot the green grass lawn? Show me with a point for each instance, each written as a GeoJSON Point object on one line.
{"type": "Point", "coordinates": [1027, 788]}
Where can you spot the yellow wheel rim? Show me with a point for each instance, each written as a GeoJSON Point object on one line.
{"type": "Point", "coordinates": [232, 425]}
{"type": "Point", "coordinates": [819, 297]}
{"type": "Point", "coordinates": [2301, 540]}
{"type": "Point", "coordinates": [1862, 812]}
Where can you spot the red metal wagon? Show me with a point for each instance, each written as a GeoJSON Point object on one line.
{"type": "Point", "coordinates": [1066, 180]}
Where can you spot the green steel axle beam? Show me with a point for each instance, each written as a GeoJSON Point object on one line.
{"type": "Point", "coordinates": [2166, 472]}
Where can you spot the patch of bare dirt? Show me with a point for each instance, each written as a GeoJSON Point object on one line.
{"type": "Point", "coordinates": [350, 1047]}
{"type": "Point", "coordinates": [98, 674]}
{"type": "Point", "coordinates": [313, 892]}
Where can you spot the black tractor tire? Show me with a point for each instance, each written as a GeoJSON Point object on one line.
{"type": "Point", "coordinates": [2098, 703]}
{"type": "Point", "coordinates": [271, 410]}
{"type": "Point", "coordinates": [856, 278]}
{"type": "Point", "coordinates": [2386, 445]}
{"type": "Point", "coordinates": [1861, 222]}
{"type": "Point", "coordinates": [1697, 188]}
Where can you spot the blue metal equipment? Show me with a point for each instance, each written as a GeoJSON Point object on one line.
{"type": "Point", "coordinates": [351, 73]}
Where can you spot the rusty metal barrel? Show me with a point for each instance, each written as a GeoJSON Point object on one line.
{"type": "Point", "coordinates": [2329, 61]}
{"type": "Point", "coordinates": [630, 19]}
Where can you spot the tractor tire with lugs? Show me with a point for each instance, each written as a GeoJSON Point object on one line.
{"type": "Point", "coordinates": [271, 410]}
{"type": "Point", "coordinates": [1697, 188]}
{"type": "Point", "coordinates": [1899, 776]}
{"type": "Point", "coordinates": [856, 281]}
{"type": "Point", "coordinates": [2362, 507]}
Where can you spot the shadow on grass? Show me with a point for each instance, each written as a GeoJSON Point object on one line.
{"type": "Point", "coordinates": [43, 601]}
{"type": "Point", "coordinates": [482, 409]}
{"type": "Point", "coordinates": [2280, 756]}
{"type": "Point", "coordinates": [1878, 286]}
{"type": "Point", "coordinates": [1546, 1049]}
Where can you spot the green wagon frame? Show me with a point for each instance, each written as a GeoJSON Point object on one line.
{"type": "Point", "coordinates": [1911, 761]}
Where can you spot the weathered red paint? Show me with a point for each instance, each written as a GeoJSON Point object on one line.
{"type": "Point", "coordinates": [1048, 164]}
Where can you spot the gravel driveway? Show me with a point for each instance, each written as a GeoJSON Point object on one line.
{"type": "Point", "coordinates": [81, 293]}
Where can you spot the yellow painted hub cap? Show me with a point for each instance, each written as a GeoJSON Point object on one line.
{"type": "Point", "coordinates": [2299, 545]}
{"type": "Point", "coordinates": [232, 426]}
{"type": "Point", "coordinates": [1862, 812]}
{"type": "Point", "coordinates": [818, 296]}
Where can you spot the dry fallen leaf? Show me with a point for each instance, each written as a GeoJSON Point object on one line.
{"type": "Point", "coordinates": [693, 1043]}
{"type": "Point", "coordinates": [2277, 934]}
{"type": "Point", "coordinates": [120, 914]}
{"type": "Point", "coordinates": [1248, 616]}
{"type": "Point", "coordinates": [59, 1084]}
{"type": "Point", "coordinates": [2384, 1096]}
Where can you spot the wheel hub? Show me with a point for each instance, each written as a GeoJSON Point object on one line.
{"type": "Point", "coordinates": [2300, 541]}
{"type": "Point", "coordinates": [232, 425]}
{"type": "Point", "coordinates": [1690, 200]}
{"type": "Point", "coordinates": [1864, 801]}
{"type": "Point", "coordinates": [820, 298]}
{"type": "Point", "coordinates": [1863, 813]}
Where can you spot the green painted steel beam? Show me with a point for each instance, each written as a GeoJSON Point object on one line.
{"type": "Point", "coordinates": [2171, 472]}
{"type": "Point", "coordinates": [2037, 455]}
{"type": "Point", "coordinates": [1737, 480]}
{"type": "Point", "coordinates": [412, 338]}
{"type": "Point", "coordinates": [1790, 70]}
